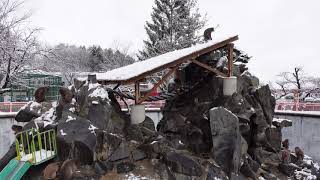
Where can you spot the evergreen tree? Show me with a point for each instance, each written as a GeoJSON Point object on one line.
{"type": "Point", "coordinates": [96, 59]}
{"type": "Point", "coordinates": [174, 25]}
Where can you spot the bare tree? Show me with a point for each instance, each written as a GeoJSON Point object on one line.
{"type": "Point", "coordinates": [69, 60]}
{"type": "Point", "coordinates": [18, 44]}
{"type": "Point", "coordinates": [289, 81]}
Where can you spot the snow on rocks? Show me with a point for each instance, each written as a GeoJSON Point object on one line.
{"type": "Point", "coordinates": [308, 160]}
{"type": "Point", "coordinates": [281, 122]}
{"type": "Point", "coordinates": [93, 85]}
{"type": "Point", "coordinates": [100, 92]}
{"type": "Point", "coordinates": [95, 102]}
{"type": "Point", "coordinates": [62, 132]}
{"type": "Point", "coordinates": [304, 174]}
{"type": "Point", "coordinates": [72, 109]}
{"type": "Point", "coordinates": [222, 61]}
{"type": "Point", "coordinates": [48, 117]}
{"type": "Point", "coordinates": [34, 105]}
{"type": "Point", "coordinates": [92, 128]}
{"type": "Point", "coordinates": [73, 101]}
{"type": "Point", "coordinates": [70, 118]}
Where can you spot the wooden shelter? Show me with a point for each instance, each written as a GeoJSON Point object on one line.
{"type": "Point", "coordinates": [136, 72]}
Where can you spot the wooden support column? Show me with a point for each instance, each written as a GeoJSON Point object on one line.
{"type": "Point", "coordinates": [171, 71]}
{"type": "Point", "coordinates": [136, 92]}
{"type": "Point", "coordinates": [230, 59]}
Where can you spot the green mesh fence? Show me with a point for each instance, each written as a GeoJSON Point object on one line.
{"type": "Point", "coordinates": [31, 83]}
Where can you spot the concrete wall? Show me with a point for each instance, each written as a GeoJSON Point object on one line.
{"type": "Point", "coordinates": [6, 134]}
{"type": "Point", "coordinates": [304, 133]}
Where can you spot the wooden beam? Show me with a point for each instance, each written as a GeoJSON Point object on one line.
{"type": "Point", "coordinates": [136, 92]}
{"type": "Point", "coordinates": [171, 71]}
{"type": "Point", "coordinates": [186, 58]}
{"type": "Point", "coordinates": [230, 59]}
{"type": "Point", "coordinates": [214, 70]}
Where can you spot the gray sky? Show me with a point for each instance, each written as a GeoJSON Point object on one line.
{"type": "Point", "coordinates": [279, 34]}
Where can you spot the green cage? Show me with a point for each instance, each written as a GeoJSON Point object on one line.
{"type": "Point", "coordinates": [32, 81]}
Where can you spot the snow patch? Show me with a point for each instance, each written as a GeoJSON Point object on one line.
{"type": "Point", "coordinates": [304, 174]}
{"type": "Point", "coordinates": [73, 101]}
{"type": "Point", "coordinates": [280, 120]}
{"type": "Point", "coordinates": [92, 128]}
{"type": "Point", "coordinates": [34, 105]}
{"type": "Point", "coordinates": [95, 102]}
{"type": "Point", "coordinates": [100, 92]}
{"type": "Point", "coordinates": [47, 118]}
{"type": "Point", "coordinates": [131, 176]}
{"type": "Point", "coordinates": [92, 86]}
{"type": "Point", "coordinates": [70, 118]}
{"type": "Point", "coordinates": [153, 142]}
{"type": "Point", "coordinates": [72, 109]}
{"type": "Point", "coordinates": [39, 155]}
{"type": "Point", "coordinates": [222, 61]}
{"type": "Point", "coordinates": [62, 133]}
{"type": "Point", "coordinates": [54, 104]}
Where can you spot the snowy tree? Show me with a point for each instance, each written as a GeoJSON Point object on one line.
{"type": "Point", "coordinates": [18, 43]}
{"type": "Point", "coordinates": [96, 59]}
{"type": "Point", "coordinates": [297, 81]}
{"type": "Point", "coordinates": [116, 58]}
{"type": "Point", "coordinates": [174, 25]}
{"type": "Point", "coordinates": [69, 60]}
{"type": "Point", "coordinates": [293, 80]}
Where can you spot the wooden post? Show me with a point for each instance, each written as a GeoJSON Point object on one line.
{"type": "Point", "coordinates": [136, 92]}
{"type": "Point", "coordinates": [214, 70]}
{"type": "Point", "coordinates": [230, 59]}
{"type": "Point", "coordinates": [166, 76]}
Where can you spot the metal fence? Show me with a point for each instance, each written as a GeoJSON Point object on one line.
{"type": "Point", "coordinates": [292, 106]}
{"type": "Point", "coordinates": [11, 106]}
{"type": "Point", "coordinates": [38, 147]}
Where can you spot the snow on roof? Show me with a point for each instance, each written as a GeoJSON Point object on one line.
{"type": "Point", "coordinates": [138, 68]}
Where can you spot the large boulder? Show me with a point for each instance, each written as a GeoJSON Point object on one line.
{"type": "Point", "coordinates": [181, 163]}
{"type": "Point", "coordinates": [32, 110]}
{"type": "Point", "coordinates": [76, 139]}
{"type": "Point", "coordinates": [267, 102]}
{"type": "Point", "coordinates": [226, 139]}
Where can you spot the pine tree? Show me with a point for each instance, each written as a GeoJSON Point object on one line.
{"type": "Point", "coordinates": [96, 59]}
{"type": "Point", "coordinates": [174, 25]}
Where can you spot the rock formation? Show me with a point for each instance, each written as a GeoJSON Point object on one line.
{"type": "Point", "coordinates": [202, 135]}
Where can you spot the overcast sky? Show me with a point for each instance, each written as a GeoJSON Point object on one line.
{"type": "Point", "coordinates": [279, 34]}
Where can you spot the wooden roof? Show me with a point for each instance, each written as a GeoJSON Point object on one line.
{"type": "Point", "coordinates": [139, 70]}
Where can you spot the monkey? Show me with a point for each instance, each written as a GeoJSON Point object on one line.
{"type": "Point", "coordinates": [299, 153]}
{"type": "Point", "coordinates": [207, 34]}
{"type": "Point", "coordinates": [66, 94]}
{"type": "Point", "coordinates": [40, 94]}
{"type": "Point", "coordinates": [285, 144]}
{"type": "Point", "coordinates": [68, 169]}
{"type": "Point", "coordinates": [16, 129]}
{"type": "Point", "coordinates": [50, 172]}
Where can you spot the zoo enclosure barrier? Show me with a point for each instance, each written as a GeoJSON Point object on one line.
{"type": "Point", "coordinates": [36, 146]}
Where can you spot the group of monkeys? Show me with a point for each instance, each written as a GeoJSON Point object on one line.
{"type": "Point", "coordinates": [286, 155]}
